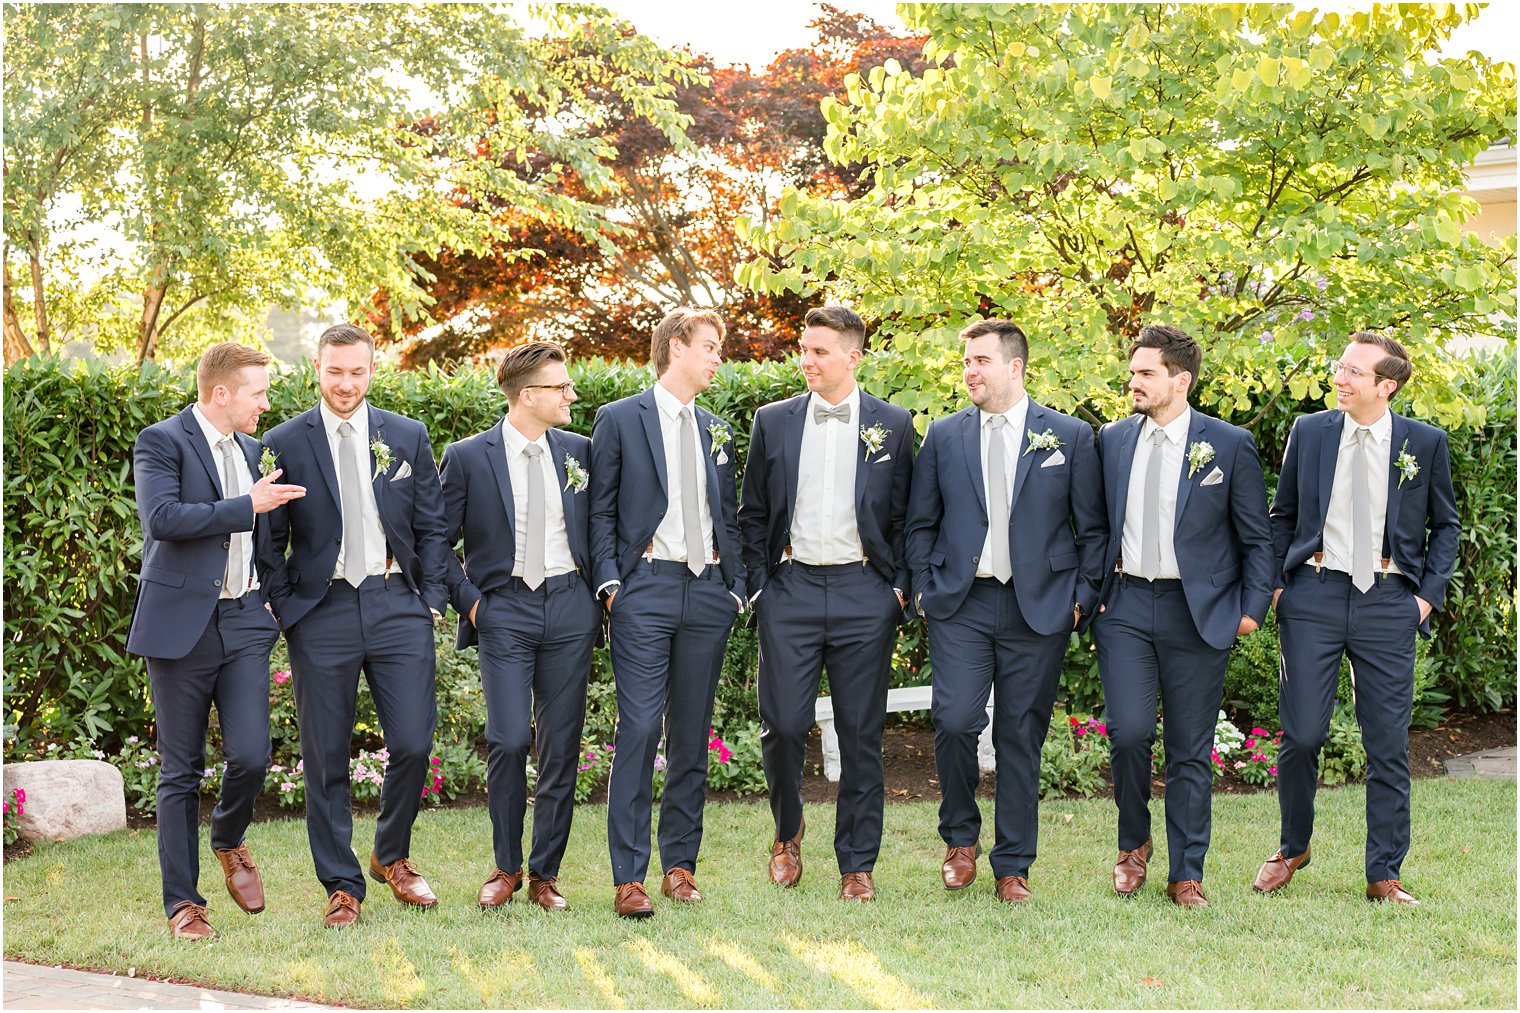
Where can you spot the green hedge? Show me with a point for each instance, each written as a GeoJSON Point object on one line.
{"type": "Point", "coordinates": [72, 541]}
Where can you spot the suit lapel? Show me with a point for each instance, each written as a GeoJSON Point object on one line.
{"type": "Point", "coordinates": [650, 412]}
{"type": "Point", "coordinates": [1185, 484]}
{"type": "Point", "coordinates": [971, 449]}
{"type": "Point", "coordinates": [1329, 449]}
{"type": "Point", "coordinates": [793, 423]}
{"type": "Point", "coordinates": [862, 465]}
{"type": "Point", "coordinates": [561, 479]}
{"type": "Point", "coordinates": [316, 435]}
{"type": "Point", "coordinates": [1022, 460]}
{"type": "Point", "coordinates": [1397, 435]}
{"type": "Point", "coordinates": [251, 450]}
{"type": "Point", "coordinates": [703, 419]}
{"type": "Point", "coordinates": [496, 456]}
{"type": "Point", "coordinates": [1129, 439]}
{"type": "Point", "coordinates": [377, 435]}
{"type": "Point", "coordinates": [197, 438]}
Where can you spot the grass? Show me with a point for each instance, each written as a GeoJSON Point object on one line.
{"type": "Point", "coordinates": [94, 903]}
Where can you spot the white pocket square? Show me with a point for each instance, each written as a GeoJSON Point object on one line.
{"type": "Point", "coordinates": [404, 471]}
{"type": "Point", "coordinates": [882, 459]}
{"type": "Point", "coordinates": [1213, 478]}
{"type": "Point", "coordinates": [1054, 459]}
{"type": "Point", "coordinates": [722, 457]}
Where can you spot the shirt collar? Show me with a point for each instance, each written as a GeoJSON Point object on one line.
{"type": "Point", "coordinates": [213, 435]}
{"type": "Point", "coordinates": [1381, 430]}
{"type": "Point", "coordinates": [359, 420]}
{"type": "Point", "coordinates": [1014, 415]}
{"type": "Point", "coordinates": [670, 404]}
{"type": "Point", "coordinates": [852, 399]}
{"type": "Point", "coordinates": [1176, 430]}
{"type": "Point", "coordinates": [516, 442]}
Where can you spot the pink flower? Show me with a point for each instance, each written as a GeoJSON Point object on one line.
{"type": "Point", "coordinates": [1239, 764]}
{"type": "Point", "coordinates": [1258, 731]}
{"type": "Point", "coordinates": [281, 678]}
{"type": "Point", "coordinates": [1081, 729]}
{"type": "Point", "coordinates": [1272, 770]}
{"type": "Point", "coordinates": [1102, 729]}
{"type": "Point", "coordinates": [287, 786]}
{"type": "Point", "coordinates": [436, 762]}
{"type": "Point", "coordinates": [1251, 743]}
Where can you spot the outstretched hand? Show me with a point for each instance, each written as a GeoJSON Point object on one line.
{"type": "Point", "coordinates": [267, 494]}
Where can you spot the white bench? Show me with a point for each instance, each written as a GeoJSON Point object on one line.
{"type": "Point", "coordinates": [908, 698]}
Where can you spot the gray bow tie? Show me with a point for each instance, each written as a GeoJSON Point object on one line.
{"type": "Point", "coordinates": [822, 414]}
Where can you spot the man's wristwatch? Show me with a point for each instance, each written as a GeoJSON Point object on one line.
{"type": "Point", "coordinates": [1078, 609]}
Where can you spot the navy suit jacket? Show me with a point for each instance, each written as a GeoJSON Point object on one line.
{"type": "Point", "coordinates": [1057, 533]}
{"type": "Point", "coordinates": [1221, 536]}
{"type": "Point", "coordinates": [630, 494]}
{"type": "Point", "coordinates": [1421, 528]}
{"type": "Point", "coordinates": [479, 504]}
{"type": "Point", "coordinates": [185, 524]}
{"type": "Point", "coordinates": [882, 481]}
{"type": "Point", "coordinates": [411, 510]}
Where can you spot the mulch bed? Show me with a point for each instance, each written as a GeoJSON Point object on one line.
{"type": "Point", "coordinates": [911, 777]}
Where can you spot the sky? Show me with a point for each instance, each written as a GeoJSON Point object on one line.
{"type": "Point", "coordinates": [744, 33]}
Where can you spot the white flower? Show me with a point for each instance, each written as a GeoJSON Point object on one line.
{"type": "Point", "coordinates": [267, 463]}
{"type": "Point", "coordinates": [874, 438]}
{"type": "Point", "coordinates": [719, 434]}
{"type": "Point", "coordinates": [1408, 466]}
{"type": "Point", "coordinates": [1199, 454]}
{"type": "Point", "coordinates": [383, 457]}
{"type": "Point", "coordinates": [575, 474]}
{"type": "Point", "coordinates": [1047, 440]}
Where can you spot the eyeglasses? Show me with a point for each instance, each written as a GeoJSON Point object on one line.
{"type": "Point", "coordinates": [565, 389]}
{"type": "Point", "coordinates": [1336, 368]}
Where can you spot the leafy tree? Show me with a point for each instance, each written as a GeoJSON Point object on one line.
{"type": "Point", "coordinates": [750, 133]}
{"type": "Point", "coordinates": [252, 154]}
{"type": "Point", "coordinates": [1269, 179]}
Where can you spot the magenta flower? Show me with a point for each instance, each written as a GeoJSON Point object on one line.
{"type": "Point", "coordinates": [281, 678]}
{"type": "Point", "coordinates": [1272, 770]}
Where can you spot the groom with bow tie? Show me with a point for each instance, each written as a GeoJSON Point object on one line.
{"type": "Point", "coordinates": [822, 519]}
{"type": "Point", "coordinates": [1189, 569]}
{"type": "Point", "coordinates": [1005, 544]}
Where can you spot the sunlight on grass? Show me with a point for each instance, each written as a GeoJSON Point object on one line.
{"type": "Point", "coordinates": [745, 964]}
{"type": "Point", "coordinates": [399, 983]}
{"type": "Point", "coordinates": [497, 983]}
{"type": "Point", "coordinates": [860, 970]}
{"type": "Point", "coordinates": [599, 978]}
{"type": "Point", "coordinates": [693, 986]}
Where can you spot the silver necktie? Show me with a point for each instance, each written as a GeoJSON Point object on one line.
{"type": "Point", "coordinates": [822, 414]}
{"type": "Point", "coordinates": [234, 581]}
{"type": "Point", "coordinates": [1361, 515]}
{"type": "Point", "coordinates": [1001, 566]}
{"type": "Point", "coordinates": [533, 548]}
{"type": "Point", "coordinates": [691, 516]}
{"type": "Point", "coordinates": [354, 558]}
{"type": "Point", "coordinates": [1150, 530]}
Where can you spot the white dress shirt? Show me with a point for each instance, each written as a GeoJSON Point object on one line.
{"type": "Point", "coordinates": [557, 557]}
{"type": "Point", "coordinates": [824, 531]}
{"type": "Point", "coordinates": [1013, 440]}
{"type": "Point", "coordinates": [1173, 453]}
{"type": "Point", "coordinates": [369, 512]}
{"type": "Point", "coordinates": [670, 536]}
{"type": "Point", "coordinates": [242, 541]}
{"type": "Point", "coordinates": [1338, 522]}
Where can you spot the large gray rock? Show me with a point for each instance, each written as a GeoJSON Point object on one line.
{"type": "Point", "coordinates": [68, 798]}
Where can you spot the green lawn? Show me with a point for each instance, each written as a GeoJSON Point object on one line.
{"type": "Point", "coordinates": [94, 903]}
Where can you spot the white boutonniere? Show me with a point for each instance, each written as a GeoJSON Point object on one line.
{"type": "Point", "coordinates": [383, 457]}
{"type": "Point", "coordinates": [1047, 440]}
{"type": "Point", "coordinates": [267, 463]}
{"type": "Point", "coordinates": [1199, 454]}
{"type": "Point", "coordinates": [1408, 466]}
{"type": "Point", "coordinates": [874, 438]}
{"type": "Point", "coordinates": [720, 436]}
{"type": "Point", "coordinates": [575, 474]}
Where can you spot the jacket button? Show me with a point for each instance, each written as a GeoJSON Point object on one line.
{"type": "Point", "coordinates": [217, 583]}
{"type": "Point", "coordinates": [976, 559]}
{"type": "Point", "coordinates": [226, 545]}
{"type": "Point", "coordinates": [338, 540]}
{"type": "Point", "coordinates": [984, 522]}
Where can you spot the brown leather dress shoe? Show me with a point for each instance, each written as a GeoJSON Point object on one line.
{"type": "Point", "coordinates": [405, 881]}
{"type": "Point", "coordinates": [1013, 889]}
{"type": "Point", "coordinates": [544, 893]}
{"type": "Point", "coordinates": [342, 910]}
{"type": "Point", "coordinates": [243, 880]}
{"type": "Point", "coordinates": [189, 922]}
{"type": "Point", "coordinates": [681, 885]}
{"type": "Point", "coordinates": [498, 890]}
{"type": "Point", "coordinates": [1391, 891]}
{"type": "Point", "coordinates": [786, 860]}
{"type": "Point", "coordinates": [1278, 870]}
{"type": "Point", "coordinates": [1187, 893]}
{"type": "Point", "coordinates": [632, 902]}
{"type": "Point", "coordinates": [959, 870]}
{"type": "Point", "coordinates": [1129, 869]}
{"type": "Point", "coordinates": [857, 886]}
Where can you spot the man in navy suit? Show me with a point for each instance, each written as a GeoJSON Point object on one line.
{"type": "Point", "coordinates": [203, 623]}
{"type": "Point", "coordinates": [1190, 568]}
{"type": "Point", "coordinates": [823, 514]}
{"type": "Point", "coordinates": [364, 582]}
{"type": "Point", "coordinates": [517, 493]}
{"type": "Point", "coordinates": [1365, 528]}
{"type": "Point", "coordinates": [1005, 542]}
{"type": "Point", "coordinates": [665, 544]}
